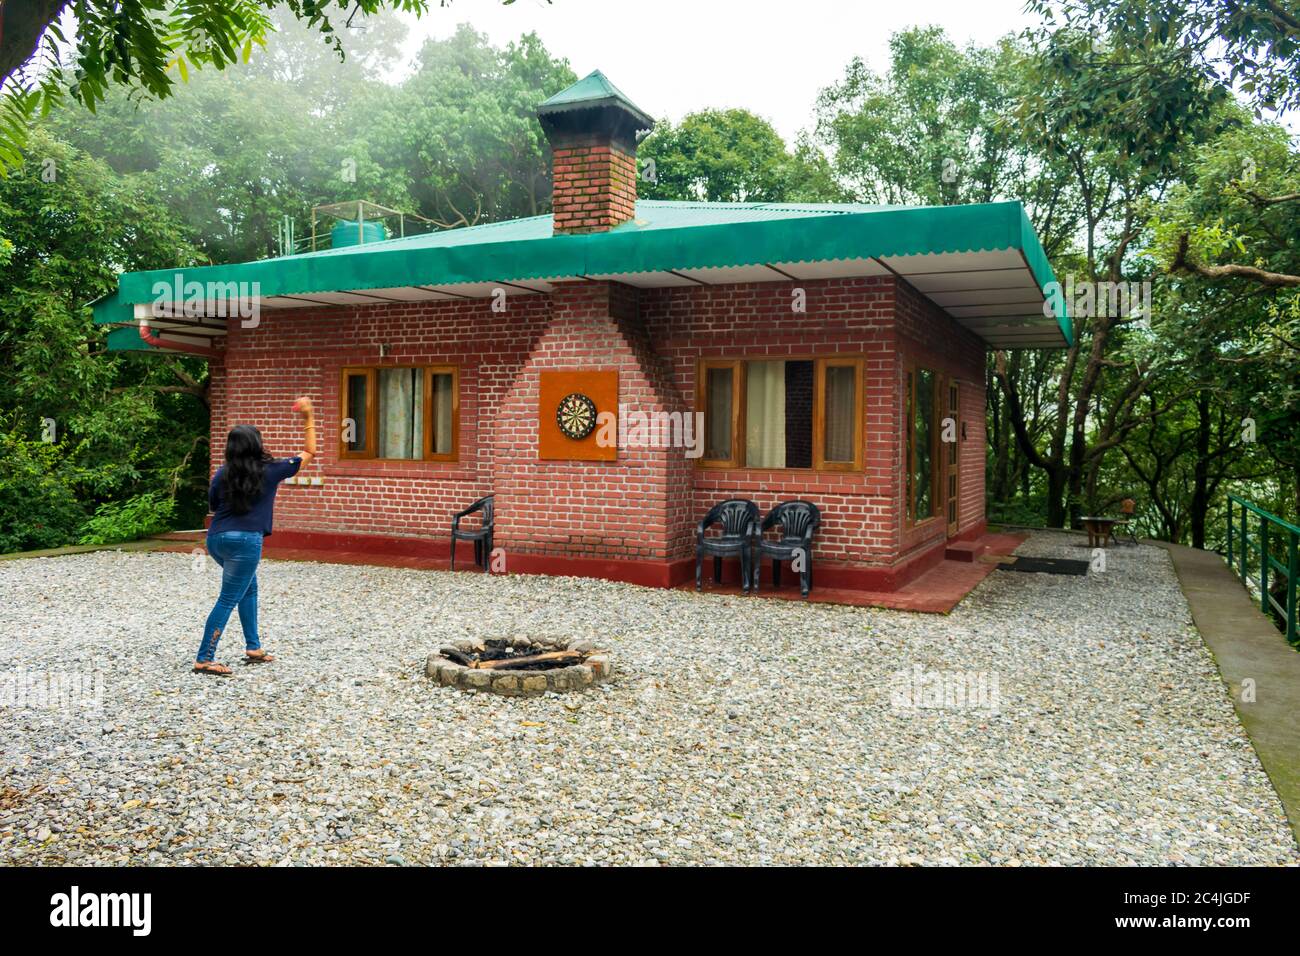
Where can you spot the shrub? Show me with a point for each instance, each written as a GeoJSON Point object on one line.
{"type": "Point", "coordinates": [38, 506]}
{"type": "Point", "coordinates": [137, 517]}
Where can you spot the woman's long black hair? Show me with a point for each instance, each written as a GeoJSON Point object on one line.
{"type": "Point", "coordinates": [245, 466]}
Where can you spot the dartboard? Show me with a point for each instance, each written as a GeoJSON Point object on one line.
{"type": "Point", "coordinates": [576, 415]}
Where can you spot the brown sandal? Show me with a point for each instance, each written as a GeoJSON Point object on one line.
{"type": "Point", "coordinates": [212, 667]}
{"type": "Point", "coordinates": [257, 657]}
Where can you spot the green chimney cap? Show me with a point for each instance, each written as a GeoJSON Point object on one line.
{"type": "Point", "coordinates": [593, 91]}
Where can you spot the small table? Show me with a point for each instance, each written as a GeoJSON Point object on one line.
{"type": "Point", "coordinates": [1100, 529]}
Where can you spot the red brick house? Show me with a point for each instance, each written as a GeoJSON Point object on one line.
{"type": "Point", "coordinates": [836, 353]}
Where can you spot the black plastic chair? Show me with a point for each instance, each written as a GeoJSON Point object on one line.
{"type": "Point", "coordinates": [798, 521]}
{"type": "Point", "coordinates": [738, 518]}
{"type": "Point", "coordinates": [481, 536]}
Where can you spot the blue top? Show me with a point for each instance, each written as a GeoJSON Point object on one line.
{"type": "Point", "coordinates": [258, 517]}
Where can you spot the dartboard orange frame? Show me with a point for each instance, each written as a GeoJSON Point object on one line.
{"type": "Point", "coordinates": [599, 386]}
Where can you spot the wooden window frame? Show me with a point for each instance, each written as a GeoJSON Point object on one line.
{"type": "Point", "coordinates": [739, 390]}
{"type": "Point", "coordinates": [938, 403]}
{"type": "Point", "coordinates": [429, 372]}
{"type": "Point", "coordinates": [819, 413]}
{"type": "Point", "coordinates": [371, 375]}
{"type": "Point", "coordinates": [737, 367]}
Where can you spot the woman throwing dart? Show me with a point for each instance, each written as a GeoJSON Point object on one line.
{"type": "Point", "coordinates": [242, 498]}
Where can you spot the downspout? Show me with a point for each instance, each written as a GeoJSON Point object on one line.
{"type": "Point", "coordinates": [158, 343]}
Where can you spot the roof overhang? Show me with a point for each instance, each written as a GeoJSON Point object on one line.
{"type": "Point", "coordinates": [981, 263]}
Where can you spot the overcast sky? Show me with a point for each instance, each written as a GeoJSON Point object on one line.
{"type": "Point", "coordinates": [769, 56]}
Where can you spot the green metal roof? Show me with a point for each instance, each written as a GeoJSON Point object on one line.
{"type": "Point", "coordinates": [592, 90]}
{"type": "Point", "coordinates": [664, 236]}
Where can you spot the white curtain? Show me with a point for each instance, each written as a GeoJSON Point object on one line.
{"type": "Point", "coordinates": [765, 415]}
{"type": "Point", "coordinates": [401, 413]}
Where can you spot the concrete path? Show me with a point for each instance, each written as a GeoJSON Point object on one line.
{"type": "Point", "coordinates": [1247, 647]}
{"type": "Point", "coordinates": [144, 544]}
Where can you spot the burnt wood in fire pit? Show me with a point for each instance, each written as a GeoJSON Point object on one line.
{"type": "Point", "coordinates": [532, 661]}
{"type": "Point", "coordinates": [519, 666]}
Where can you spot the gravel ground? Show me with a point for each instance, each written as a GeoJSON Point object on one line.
{"type": "Point", "coordinates": [735, 730]}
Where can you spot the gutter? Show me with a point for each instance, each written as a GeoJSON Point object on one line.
{"type": "Point", "coordinates": [158, 343]}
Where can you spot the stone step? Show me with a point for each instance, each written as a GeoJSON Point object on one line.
{"type": "Point", "coordinates": [967, 551]}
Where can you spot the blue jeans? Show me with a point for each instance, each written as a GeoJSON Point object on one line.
{"type": "Point", "coordinates": [238, 554]}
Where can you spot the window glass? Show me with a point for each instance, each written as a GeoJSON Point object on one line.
{"type": "Point", "coordinates": [839, 405]}
{"type": "Point", "coordinates": [719, 391]}
{"type": "Point", "coordinates": [355, 409]}
{"type": "Point", "coordinates": [443, 402]}
{"type": "Point", "coordinates": [800, 381]}
{"type": "Point", "coordinates": [786, 421]}
{"type": "Point", "coordinates": [909, 400]}
{"type": "Point", "coordinates": [923, 444]}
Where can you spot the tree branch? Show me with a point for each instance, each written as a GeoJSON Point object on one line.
{"type": "Point", "coordinates": [1277, 280]}
{"type": "Point", "coordinates": [1272, 200]}
{"type": "Point", "coordinates": [22, 24]}
{"type": "Point", "coordinates": [1017, 415]}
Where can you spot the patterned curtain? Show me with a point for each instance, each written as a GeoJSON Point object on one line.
{"type": "Point", "coordinates": [401, 413]}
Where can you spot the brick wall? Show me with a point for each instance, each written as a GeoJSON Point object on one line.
{"type": "Point", "coordinates": [644, 505]}
{"type": "Point", "coordinates": [595, 187]}
{"type": "Point", "coordinates": [629, 508]}
{"type": "Point", "coordinates": [842, 317]}
{"type": "Point", "coordinates": [927, 338]}
{"type": "Point", "coordinates": [301, 351]}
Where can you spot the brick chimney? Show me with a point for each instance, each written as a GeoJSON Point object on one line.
{"type": "Point", "coordinates": [592, 128]}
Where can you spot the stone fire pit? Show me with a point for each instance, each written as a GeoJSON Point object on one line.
{"type": "Point", "coordinates": [519, 667]}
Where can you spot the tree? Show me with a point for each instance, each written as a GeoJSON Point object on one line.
{"type": "Point", "coordinates": [234, 152]}
{"type": "Point", "coordinates": [203, 176]}
{"type": "Point", "coordinates": [141, 45]}
{"type": "Point", "coordinates": [731, 156]}
{"type": "Point", "coordinates": [1252, 44]}
{"type": "Point", "coordinates": [1078, 108]}
{"type": "Point", "coordinates": [462, 131]}
{"type": "Point", "coordinates": [937, 128]}
{"type": "Point", "coordinates": [1249, 331]}
{"type": "Point", "coordinates": [77, 429]}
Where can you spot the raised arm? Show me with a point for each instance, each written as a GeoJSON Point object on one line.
{"type": "Point", "coordinates": [304, 408]}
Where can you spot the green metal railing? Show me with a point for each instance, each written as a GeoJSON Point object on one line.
{"type": "Point", "coordinates": [1275, 544]}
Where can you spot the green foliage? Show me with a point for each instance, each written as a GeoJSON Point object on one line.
{"type": "Point", "coordinates": [731, 156]}
{"type": "Point", "coordinates": [1141, 115]}
{"type": "Point", "coordinates": [1252, 44]}
{"type": "Point", "coordinates": [137, 517]}
{"type": "Point", "coordinates": [1247, 337]}
{"type": "Point", "coordinates": [930, 128]}
{"type": "Point", "coordinates": [460, 137]}
{"type": "Point", "coordinates": [119, 427]}
{"type": "Point", "coordinates": [142, 47]}
{"type": "Point", "coordinates": [204, 176]}
{"type": "Point", "coordinates": [38, 508]}
{"type": "Point", "coordinates": [235, 152]}
{"type": "Point", "coordinates": [1018, 512]}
